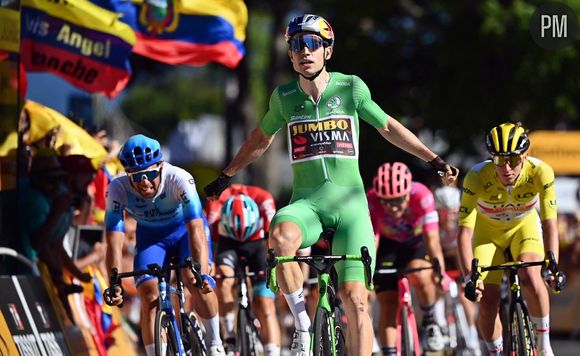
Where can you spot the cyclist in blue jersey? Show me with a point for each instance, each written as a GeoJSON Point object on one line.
{"type": "Point", "coordinates": [320, 112]}
{"type": "Point", "coordinates": [163, 200]}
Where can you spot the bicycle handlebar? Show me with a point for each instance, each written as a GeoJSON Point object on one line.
{"type": "Point", "coordinates": [152, 269]}
{"type": "Point", "coordinates": [314, 261]}
{"type": "Point", "coordinates": [548, 264]}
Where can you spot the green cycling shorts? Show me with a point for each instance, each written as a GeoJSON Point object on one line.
{"type": "Point", "coordinates": [343, 208]}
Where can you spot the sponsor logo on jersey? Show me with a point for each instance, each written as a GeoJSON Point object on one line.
{"type": "Point", "coordinates": [300, 117]}
{"type": "Point", "coordinates": [548, 185]}
{"type": "Point", "coordinates": [342, 83]}
{"type": "Point", "coordinates": [334, 102]}
{"type": "Point", "coordinates": [286, 93]}
{"type": "Point", "coordinates": [525, 196]}
{"type": "Point", "coordinates": [332, 136]}
{"type": "Point", "coordinates": [299, 108]}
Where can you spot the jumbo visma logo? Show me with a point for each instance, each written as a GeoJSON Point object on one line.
{"type": "Point", "coordinates": [328, 125]}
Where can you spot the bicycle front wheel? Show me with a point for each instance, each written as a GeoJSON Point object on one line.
{"type": "Point", "coordinates": [522, 333]}
{"type": "Point", "coordinates": [194, 344]}
{"type": "Point", "coordinates": [407, 341]}
{"type": "Point", "coordinates": [243, 337]}
{"type": "Point", "coordinates": [165, 336]}
{"type": "Point", "coordinates": [322, 334]}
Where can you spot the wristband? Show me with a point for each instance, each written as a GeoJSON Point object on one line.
{"type": "Point", "coordinates": [209, 279]}
{"type": "Point", "coordinates": [438, 165]}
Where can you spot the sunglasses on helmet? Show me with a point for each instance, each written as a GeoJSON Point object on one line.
{"type": "Point", "coordinates": [394, 202]}
{"type": "Point", "coordinates": [501, 161]}
{"type": "Point", "coordinates": [150, 175]}
{"type": "Point", "coordinates": [313, 42]}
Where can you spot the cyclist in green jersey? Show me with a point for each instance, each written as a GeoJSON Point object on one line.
{"type": "Point", "coordinates": [321, 113]}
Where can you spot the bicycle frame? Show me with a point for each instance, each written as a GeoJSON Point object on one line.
{"type": "Point", "coordinates": [405, 313]}
{"type": "Point", "coordinates": [457, 321]}
{"type": "Point", "coordinates": [165, 290]}
{"type": "Point", "coordinates": [245, 302]}
{"type": "Point", "coordinates": [323, 266]}
{"type": "Point", "coordinates": [517, 305]}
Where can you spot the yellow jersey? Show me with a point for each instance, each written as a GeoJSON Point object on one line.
{"type": "Point", "coordinates": [488, 201]}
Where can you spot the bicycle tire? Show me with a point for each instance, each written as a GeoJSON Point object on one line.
{"type": "Point", "coordinates": [242, 342]}
{"type": "Point", "coordinates": [256, 346]}
{"type": "Point", "coordinates": [339, 331]}
{"type": "Point", "coordinates": [523, 338]}
{"type": "Point", "coordinates": [322, 334]}
{"type": "Point", "coordinates": [407, 347]}
{"type": "Point", "coordinates": [195, 344]}
{"type": "Point", "coordinates": [164, 328]}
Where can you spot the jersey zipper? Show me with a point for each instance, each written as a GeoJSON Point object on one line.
{"type": "Point", "coordinates": [324, 167]}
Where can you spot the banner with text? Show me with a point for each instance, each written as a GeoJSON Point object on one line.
{"type": "Point", "coordinates": [78, 41]}
{"type": "Point", "coordinates": [28, 323]}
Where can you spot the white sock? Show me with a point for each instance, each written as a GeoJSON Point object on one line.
{"type": "Point", "coordinates": [271, 350]}
{"type": "Point", "coordinates": [495, 347]}
{"type": "Point", "coordinates": [473, 340]}
{"type": "Point", "coordinates": [297, 306]}
{"type": "Point", "coordinates": [227, 322]}
{"type": "Point", "coordinates": [212, 331]}
{"type": "Point", "coordinates": [439, 312]}
{"type": "Point", "coordinates": [150, 349]}
{"type": "Point", "coordinates": [542, 325]}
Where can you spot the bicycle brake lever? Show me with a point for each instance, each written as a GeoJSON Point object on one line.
{"type": "Point", "coordinates": [109, 293]}
{"type": "Point", "coordinates": [196, 270]}
{"type": "Point", "coordinates": [367, 260]}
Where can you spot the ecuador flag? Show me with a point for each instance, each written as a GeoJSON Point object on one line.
{"type": "Point", "coordinates": [189, 32]}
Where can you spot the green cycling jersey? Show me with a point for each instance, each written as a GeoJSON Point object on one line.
{"type": "Point", "coordinates": [323, 137]}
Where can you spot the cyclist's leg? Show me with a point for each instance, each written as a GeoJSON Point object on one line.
{"type": "Point", "coordinates": [390, 254]}
{"type": "Point", "coordinates": [147, 289]}
{"type": "Point", "coordinates": [354, 230]}
{"type": "Point", "coordinates": [527, 246]}
{"type": "Point", "coordinates": [205, 304]}
{"type": "Point", "coordinates": [490, 327]}
{"type": "Point", "coordinates": [264, 299]}
{"type": "Point", "coordinates": [295, 226]}
{"type": "Point", "coordinates": [226, 262]}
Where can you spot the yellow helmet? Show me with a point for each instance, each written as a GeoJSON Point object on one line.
{"type": "Point", "coordinates": [507, 139]}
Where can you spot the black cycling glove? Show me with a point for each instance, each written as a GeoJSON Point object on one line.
{"type": "Point", "coordinates": [216, 187]}
{"type": "Point", "coordinates": [470, 291]}
{"type": "Point", "coordinates": [440, 166]}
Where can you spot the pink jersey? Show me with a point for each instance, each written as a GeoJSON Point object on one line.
{"type": "Point", "coordinates": [419, 217]}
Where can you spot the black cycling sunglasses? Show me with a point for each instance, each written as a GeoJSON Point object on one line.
{"type": "Point", "coordinates": [313, 42]}
{"type": "Point", "coordinates": [395, 201]}
{"type": "Point", "coordinates": [151, 174]}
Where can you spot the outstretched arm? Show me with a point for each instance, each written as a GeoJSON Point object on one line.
{"type": "Point", "coordinates": [400, 136]}
{"type": "Point", "coordinates": [397, 134]}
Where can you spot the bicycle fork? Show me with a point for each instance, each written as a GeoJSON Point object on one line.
{"type": "Point", "coordinates": [406, 314]}
{"type": "Point", "coordinates": [165, 304]}
{"type": "Point", "coordinates": [324, 302]}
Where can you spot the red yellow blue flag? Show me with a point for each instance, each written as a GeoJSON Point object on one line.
{"type": "Point", "coordinates": [82, 43]}
{"type": "Point", "coordinates": [188, 32]}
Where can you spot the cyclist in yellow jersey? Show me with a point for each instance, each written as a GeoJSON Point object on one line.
{"type": "Point", "coordinates": [499, 211]}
